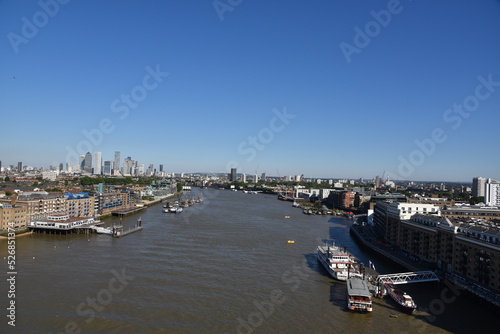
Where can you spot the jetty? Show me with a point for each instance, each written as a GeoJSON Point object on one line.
{"type": "Point", "coordinates": [118, 231]}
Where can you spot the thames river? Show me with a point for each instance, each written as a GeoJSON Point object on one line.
{"type": "Point", "coordinates": [221, 266]}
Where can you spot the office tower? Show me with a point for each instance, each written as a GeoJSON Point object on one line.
{"type": "Point", "coordinates": [243, 178]}
{"type": "Point", "coordinates": [161, 168]}
{"type": "Point", "coordinates": [478, 186]}
{"type": "Point", "coordinates": [149, 171]}
{"type": "Point", "coordinates": [98, 163]}
{"type": "Point", "coordinates": [377, 182]}
{"type": "Point", "coordinates": [108, 166]}
{"type": "Point", "coordinates": [232, 176]}
{"type": "Point", "coordinates": [81, 162]}
{"type": "Point", "coordinates": [255, 178]}
{"type": "Point", "coordinates": [19, 166]}
{"type": "Point", "coordinates": [0, 165]}
{"type": "Point", "coordinates": [87, 163]}
{"type": "Point", "coordinates": [61, 167]}
{"type": "Point", "coordinates": [263, 177]}
{"type": "Point", "coordinates": [116, 165]}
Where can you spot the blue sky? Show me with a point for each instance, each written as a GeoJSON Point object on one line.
{"type": "Point", "coordinates": [342, 89]}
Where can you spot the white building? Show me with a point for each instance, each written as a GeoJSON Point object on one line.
{"type": "Point", "coordinates": [97, 163]}
{"type": "Point", "coordinates": [406, 210]}
{"type": "Point", "coordinates": [492, 193]}
{"type": "Point", "coordinates": [50, 175]}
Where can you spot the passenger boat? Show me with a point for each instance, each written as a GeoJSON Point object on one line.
{"type": "Point", "coordinates": [103, 230]}
{"type": "Point", "coordinates": [359, 297]}
{"type": "Point", "coordinates": [402, 299]}
{"type": "Point", "coordinates": [339, 263]}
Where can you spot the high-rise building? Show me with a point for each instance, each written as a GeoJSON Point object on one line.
{"type": "Point", "coordinates": [263, 177]}
{"type": "Point", "coordinates": [87, 163]}
{"type": "Point", "coordinates": [116, 165]}
{"type": "Point", "coordinates": [161, 168]}
{"type": "Point", "coordinates": [492, 193]}
{"type": "Point", "coordinates": [478, 186]}
{"type": "Point", "coordinates": [19, 166]}
{"type": "Point", "coordinates": [243, 178]}
{"type": "Point", "coordinates": [108, 167]}
{"type": "Point", "coordinates": [0, 165]}
{"type": "Point", "coordinates": [232, 176]}
{"type": "Point", "coordinates": [98, 163]}
{"type": "Point", "coordinates": [255, 178]}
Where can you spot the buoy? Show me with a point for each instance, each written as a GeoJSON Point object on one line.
{"type": "Point", "coordinates": [287, 216]}
{"type": "Point", "coordinates": [290, 241]}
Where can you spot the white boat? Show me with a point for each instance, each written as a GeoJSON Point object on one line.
{"type": "Point", "coordinates": [359, 297]}
{"type": "Point", "coordinates": [175, 209]}
{"type": "Point", "coordinates": [339, 263]}
{"type": "Point", "coordinates": [103, 230]}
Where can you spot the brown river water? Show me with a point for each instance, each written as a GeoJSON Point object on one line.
{"type": "Point", "coordinates": [221, 266]}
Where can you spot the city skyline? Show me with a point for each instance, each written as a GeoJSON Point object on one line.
{"type": "Point", "coordinates": [328, 90]}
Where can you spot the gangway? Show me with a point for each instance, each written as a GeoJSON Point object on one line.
{"type": "Point", "coordinates": [409, 277]}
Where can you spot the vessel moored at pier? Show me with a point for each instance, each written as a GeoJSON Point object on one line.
{"type": "Point", "coordinates": [339, 263]}
{"type": "Point", "coordinates": [359, 297]}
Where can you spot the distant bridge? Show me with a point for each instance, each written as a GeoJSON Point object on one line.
{"type": "Point", "coordinates": [410, 277]}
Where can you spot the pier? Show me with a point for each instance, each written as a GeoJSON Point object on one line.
{"type": "Point", "coordinates": [127, 211]}
{"type": "Point", "coordinates": [118, 231]}
{"type": "Point", "coordinates": [410, 277]}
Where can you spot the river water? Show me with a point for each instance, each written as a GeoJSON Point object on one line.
{"type": "Point", "coordinates": [221, 266]}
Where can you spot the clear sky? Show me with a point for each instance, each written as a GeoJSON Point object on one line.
{"type": "Point", "coordinates": [342, 89]}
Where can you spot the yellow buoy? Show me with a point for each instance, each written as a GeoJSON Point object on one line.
{"type": "Point", "coordinates": [290, 242]}
{"type": "Point", "coordinates": [287, 216]}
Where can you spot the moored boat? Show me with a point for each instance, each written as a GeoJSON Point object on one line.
{"type": "Point", "coordinates": [339, 263]}
{"type": "Point", "coordinates": [402, 299]}
{"type": "Point", "coordinates": [359, 297]}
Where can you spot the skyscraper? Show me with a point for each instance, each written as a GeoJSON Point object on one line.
{"type": "Point", "coordinates": [116, 165]}
{"type": "Point", "coordinates": [108, 166]}
{"type": "Point", "coordinates": [19, 166]}
{"type": "Point", "coordinates": [87, 163]}
{"type": "Point", "coordinates": [478, 186]}
{"type": "Point", "coordinates": [98, 163]}
{"type": "Point", "coordinates": [232, 176]}
{"type": "Point", "coordinates": [161, 167]}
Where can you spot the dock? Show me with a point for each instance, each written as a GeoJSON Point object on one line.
{"type": "Point", "coordinates": [118, 231]}
{"type": "Point", "coordinates": [127, 211]}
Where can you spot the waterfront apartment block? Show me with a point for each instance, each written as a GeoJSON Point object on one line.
{"type": "Point", "coordinates": [106, 202]}
{"type": "Point", "coordinates": [80, 205]}
{"type": "Point", "coordinates": [13, 216]}
{"type": "Point", "coordinates": [388, 215]}
{"type": "Point", "coordinates": [38, 206]}
{"type": "Point", "coordinates": [468, 248]}
{"type": "Point", "coordinates": [477, 212]}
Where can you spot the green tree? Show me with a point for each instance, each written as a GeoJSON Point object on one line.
{"type": "Point", "coordinates": [179, 187]}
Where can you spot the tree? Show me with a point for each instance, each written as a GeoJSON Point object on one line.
{"type": "Point", "coordinates": [179, 187]}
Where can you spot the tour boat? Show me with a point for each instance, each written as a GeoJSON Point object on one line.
{"type": "Point", "coordinates": [339, 263]}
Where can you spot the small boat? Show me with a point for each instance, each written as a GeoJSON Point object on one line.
{"type": "Point", "coordinates": [402, 299]}
{"type": "Point", "coordinates": [359, 297]}
{"type": "Point", "coordinates": [287, 216]}
{"type": "Point", "coordinates": [290, 242]}
{"type": "Point", "coordinates": [103, 230]}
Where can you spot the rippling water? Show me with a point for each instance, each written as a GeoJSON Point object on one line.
{"type": "Point", "coordinates": [222, 266]}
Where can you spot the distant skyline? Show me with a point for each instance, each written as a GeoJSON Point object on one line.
{"type": "Point", "coordinates": [328, 89]}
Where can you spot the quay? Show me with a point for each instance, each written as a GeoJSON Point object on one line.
{"type": "Point", "coordinates": [127, 211]}
{"type": "Point", "coordinates": [366, 237]}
